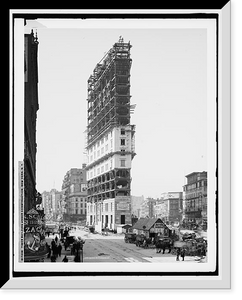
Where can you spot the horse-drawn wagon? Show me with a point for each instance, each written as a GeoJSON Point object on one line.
{"type": "Point", "coordinates": [163, 244]}
{"type": "Point", "coordinates": [193, 247]}
{"type": "Point", "coordinates": [130, 238]}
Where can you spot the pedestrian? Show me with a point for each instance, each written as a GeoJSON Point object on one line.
{"type": "Point", "coordinates": [49, 250]}
{"type": "Point", "coordinates": [77, 258]}
{"type": "Point", "coordinates": [65, 259]}
{"type": "Point", "coordinates": [59, 249]}
{"type": "Point", "coordinates": [56, 239]}
{"type": "Point", "coordinates": [182, 254]}
{"type": "Point", "coordinates": [178, 252]}
{"type": "Point", "coordinates": [53, 258]}
{"type": "Point", "coordinates": [66, 245]}
{"type": "Point", "coordinates": [52, 244]}
{"type": "Point", "coordinates": [55, 250]}
{"type": "Point", "coordinates": [73, 248]}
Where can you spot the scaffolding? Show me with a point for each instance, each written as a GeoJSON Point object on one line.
{"type": "Point", "coordinates": [108, 107]}
{"type": "Point", "coordinates": [109, 92]}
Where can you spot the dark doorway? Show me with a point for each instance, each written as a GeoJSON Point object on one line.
{"type": "Point", "coordinates": [122, 219]}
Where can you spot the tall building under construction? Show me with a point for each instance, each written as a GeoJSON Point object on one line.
{"type": "Point", "coordinates": [110, 140]}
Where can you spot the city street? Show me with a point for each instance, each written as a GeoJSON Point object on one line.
{"type": "Point", "coordinates": [112, 248]}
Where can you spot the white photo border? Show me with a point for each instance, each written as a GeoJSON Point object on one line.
{"type": "Point", "coordinates": [208, 280]}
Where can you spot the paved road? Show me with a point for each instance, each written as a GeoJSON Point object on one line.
{"type": "Point", "coordinates": [113, 250]}
{"type": "Point", "coordinates": [99, 248]}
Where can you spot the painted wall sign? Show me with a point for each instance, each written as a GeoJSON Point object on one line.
{"type": "Point", "coordinates": [34, 235]}
{"type": "Point", "coordinates": [122, 206]}
{"type": "Point", "coordinates": [158, 225]}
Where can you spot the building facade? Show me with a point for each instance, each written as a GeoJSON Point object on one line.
{"type": "Point", "coordinates": [52, 203]}
{"type": "Point", "coordinates": [170, 207]}
{"type": "Point", "coordinates": [110, 140]}
{"type": "Point", "coordinates": [136, 203]}
{"type": "Point", "coordinates": [147, 208]}
{"type": "Point", "coordinates": [31, 105]}
{"type": "Point", "coordinates": [195, 193]}
{"type": "Point", "coordinates": [74, 189]}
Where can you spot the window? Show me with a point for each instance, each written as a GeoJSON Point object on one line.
{"type": "Point", "coordinates": [122, 152]}
{"type": "Point", "coordinates": [122, 131]}
{"type": "Point", "coordinates": [106, 206]}
{"type": "Point", "coordinates": [111, 207]}
{"type": "Point", "coordinates": [76, 211]}
{"type": "Point", "coordinates": [122, 163]}
{"type": "Point", "coordinates": [111, 221]}
{"type": "Point", "coordinates": [122, 142]}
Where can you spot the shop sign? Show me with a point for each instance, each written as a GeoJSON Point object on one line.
{"type": "Point", "coordinates": [122, 206]}
{"type": "Point", "coordinates": [122, 202]}
{"type": "Point", "coordinates": [34, 234]}
{"type": "Point", "coordinates": [158, 225]}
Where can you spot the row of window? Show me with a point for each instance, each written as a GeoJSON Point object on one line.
{"type": "Point", "coordinates": [107, 219]}
{"type": "Point", "coordinates": [99, 153]}
{"type": "Point", "coordinates": [80, 199]}
{"type": "Point", "coordinates": [79, 211]}
{"type": "Point", "coordinates": [97, 145]}
{"type": "Point", "coordinates": [195, 185]}
{"type": "Point", "coordinates": [101, 142]}
{"type": "Point", "coordinates": [104, 168]}
{"type": "Point", "coordinates": [105, 207]}
{"type": "Point", "coordinates": [81, 205]}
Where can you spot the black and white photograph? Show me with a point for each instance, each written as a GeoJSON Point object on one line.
{"type": "Point", "coordinates": [116, 131]}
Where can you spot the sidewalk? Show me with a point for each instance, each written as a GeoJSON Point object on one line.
{"type": "Point", "coordinates": [60, 258]}
{"type": "Point", "coordinates": [63, 251]}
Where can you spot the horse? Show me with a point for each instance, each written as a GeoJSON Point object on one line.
{"type": "Point", "coordinates": [163, 244]}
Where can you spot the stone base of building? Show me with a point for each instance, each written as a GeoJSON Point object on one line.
{"type": "Point", "coordinates": [111, 213]}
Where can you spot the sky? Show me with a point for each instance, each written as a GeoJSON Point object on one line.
{"type": "Point", "coordinates": [168, 86]}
